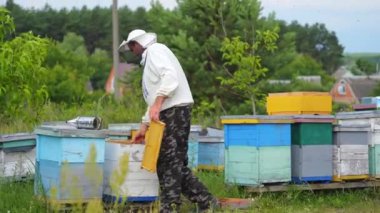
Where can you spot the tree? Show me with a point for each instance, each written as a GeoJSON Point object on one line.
{"type": "Point", "coordinates": [246, 65]}
{"type": "Point", "coordinates": [22, 75]}
{"type": "Point", "coordinates": [319, 43]}
{"type": "Point", "coordinates": [69, 70]}
{"type": "Point", "coordinates": [365, 66]}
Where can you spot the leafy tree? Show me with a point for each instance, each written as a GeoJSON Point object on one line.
{"type": "Point", "coordinates": [69, 70]}
{"type": "Point", "coordinates": [22, 76]}
{"type": "Point", "coordinates": [246, 65]}
{"type": "Point", "coordinates": [365, 66]}
{"type": "Point", "coordinates": [102, 63]}
{"type": "Point", "coordinates": [319, 43]}
{"type": "Point", "coordinates": [300, 65]}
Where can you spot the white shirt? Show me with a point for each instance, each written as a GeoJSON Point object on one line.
{"type": "Point", "coordinates": [163, 76]}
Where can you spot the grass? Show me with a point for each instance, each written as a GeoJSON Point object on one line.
{"type": "Point", "coordinates": [19, 197]}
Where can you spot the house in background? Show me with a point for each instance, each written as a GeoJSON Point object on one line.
{"type": "Point", "coordinates": [350, 90]}
{"type": "Point", "coordinates": [123, 69]}
{"type": "Point", "coordinates": [313, 79]}
{"type": "Point", "coordinates": [342, 72]}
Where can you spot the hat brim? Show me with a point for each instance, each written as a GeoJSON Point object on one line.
{"type": "Point", "coordinates": [143, 40]}
{"type": "Point", "coordinates": [123, 46]}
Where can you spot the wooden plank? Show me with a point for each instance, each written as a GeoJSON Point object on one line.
{"type": "Point", "coordinates": [313, 186]}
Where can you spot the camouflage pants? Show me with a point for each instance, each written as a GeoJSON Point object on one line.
{"type": "Point", "coordinates": [173, 174]}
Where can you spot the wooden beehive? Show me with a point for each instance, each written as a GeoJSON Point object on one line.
{"type": "Point", "coordinates": [252, 166]}
{"type": "Point", "coordinates": [257, 130]}
{"type": "Point", "coordinates": [211, 150]}
{"type": "Point", "coordinates": [291, 103]}
{"type": "Point", "coordinates": [17, 155]}
{"type": "Point", "coordinates": [350, 152]}
{"type": "Point", "coordinates": [193, 146]}
{"type": "Point", "coordinates": [138, 184]}
{"type": "Point", "coordinates": [374, 161]}
{"type": "Point", "coordinates": [69, 162]}
{"type": "Point", "coordinates": [257, 149]}
{"type": "Point", "coordinates": [312, 143]}
{"type": "Point", "coordinates": [312, 163]}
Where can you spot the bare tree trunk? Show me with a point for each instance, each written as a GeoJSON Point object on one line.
{"type": "Point", "coordinates": [115, 52]}
{"type": "Point", "coordinates": [253, 101]}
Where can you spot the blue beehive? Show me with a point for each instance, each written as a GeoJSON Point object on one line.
{"type": "Point", "coordinates": [193, 146]}
{"type": "Point", "coordinates": [257, 149]}
{"type": "Point", "coordinates": [211, 150]}
{"type": "Point", "coordinates": [69, 162]}
{"type": "Point", "coordinates": [257, 131]}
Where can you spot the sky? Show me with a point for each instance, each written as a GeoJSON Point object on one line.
{"type": "Point", "coordinates": [356, 23]}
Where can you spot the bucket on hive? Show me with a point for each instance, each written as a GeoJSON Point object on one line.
{"type": "Point", "coordinates": [86, 122]}
{"type": "Point", "coordinates": [153, 139]}
{"type": "Point", "coordinates": [69, 162]}
{"type": "Point", "coordinates": [17, 155]}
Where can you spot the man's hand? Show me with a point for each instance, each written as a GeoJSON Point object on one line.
{"type": "Point", "coordinates": [140, 135]}
{"type": "Point", "coordinates": [154, 112]}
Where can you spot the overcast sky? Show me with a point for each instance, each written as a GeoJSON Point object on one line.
{"type": "Point", "coordinates": [355, 22]}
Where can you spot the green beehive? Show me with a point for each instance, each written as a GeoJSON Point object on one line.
{"type": "Point", "coordinates": [374, 161]}
{"type": "Point", "coordinates": [312, 134]}
{"type": "Point", "coordinates": [312, 130]}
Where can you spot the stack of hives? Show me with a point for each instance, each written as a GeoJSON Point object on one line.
{"type": "Point", "coordinates": [257, 149]}
{"type": "Point", "coordinates": [294, 141]}
{"type": "Point", "coordinates": [311, 132]}
{"type": "Point", "coordinates": [358, 144]}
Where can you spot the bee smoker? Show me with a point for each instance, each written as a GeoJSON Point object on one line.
{"type": "Point", "coordinates": [85, 122]}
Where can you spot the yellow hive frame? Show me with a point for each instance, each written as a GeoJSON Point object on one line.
{"type": "Point", "coordinates": [153, 139]}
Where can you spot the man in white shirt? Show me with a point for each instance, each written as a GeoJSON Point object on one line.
{"type": "Point", "coordinates": [169, 99]}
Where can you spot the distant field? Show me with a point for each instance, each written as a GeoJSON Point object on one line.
{"type": "Point", "coordinates": [350, 58]}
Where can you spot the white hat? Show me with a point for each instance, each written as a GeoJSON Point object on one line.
{"type": "Point", "coordinates": [141, 37]}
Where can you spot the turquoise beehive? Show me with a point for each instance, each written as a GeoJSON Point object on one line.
{"type": "Point", "coordinates": [257, 149]}
{"type": "Point", "coordinates": [69, 162]}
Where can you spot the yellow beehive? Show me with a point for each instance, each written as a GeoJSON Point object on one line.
{"type": "Point", "coordinates": [153, 140]}
{"type": "Point", "coordinates": [299, 103]}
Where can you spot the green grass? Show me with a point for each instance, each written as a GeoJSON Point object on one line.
{"type": "Point", "coordinates": [19, 197]}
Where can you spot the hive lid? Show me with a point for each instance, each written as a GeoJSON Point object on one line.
{"type": "Point", "coordinates": [211, 139]}
{"type": "Point", "coordinates": [240, 119]}
{"type": "Point", "coordinates": [17, 137]}
{"type": "Point", "coordinates": [61, 129]}
{"type": "Point", "coordinates": [352, 128]}
{"type": "Point", "coordinates": [195, 128]}
{"type": "Point", "coordinates": [299, 94]}
{"type": "Point", "coordinates": [124, 126]}
{"type": "Point", "coordinates": [358, 114]}
{"type": "Point", "coordinates": [313, 118]}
